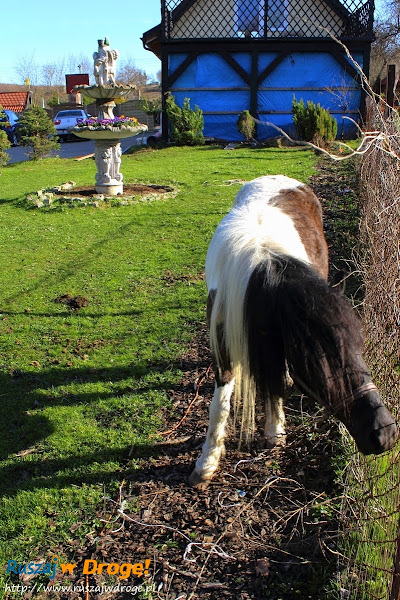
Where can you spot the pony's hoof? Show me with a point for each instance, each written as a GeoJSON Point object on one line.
{"type": "Point", "coordinates": [197, 481]}
{"type": "Point", "coordinates": [275, 441]}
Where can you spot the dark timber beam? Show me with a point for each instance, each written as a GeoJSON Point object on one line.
{"type": "Point", "coordinates": [271, 67]}
{"type": "Point", "coordinates": [172, 77]}
{"type": "Point", "coordinates": [235, 66]}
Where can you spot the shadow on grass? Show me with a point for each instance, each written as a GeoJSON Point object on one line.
{"type": "Point", "coordinates": [78, 469]}
{"type": "Point", "coordinates": [25, 465]}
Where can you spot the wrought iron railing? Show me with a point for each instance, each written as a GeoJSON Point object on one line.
{"type": "Point", "coordinates": [260, 19]}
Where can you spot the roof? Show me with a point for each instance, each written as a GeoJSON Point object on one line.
{"type": "Point", "coordinates": [16, 101]}
{"type": "Point", "coordinates": [152, 40]}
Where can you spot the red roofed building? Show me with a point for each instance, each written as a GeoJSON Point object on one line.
{"type": "Point", "coordinates": [16, 101]}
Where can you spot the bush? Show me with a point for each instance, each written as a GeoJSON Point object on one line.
{"type": "Point", "coordinates": [37, 131]}
{"type": "Point", "coordinates": [246, 125]}
{"type": "Point", "coordinates": [313, 123]}
{"type": "Point", "coordinates": [186, 124]}
{"type": "Point", "coordinates": [4, 143]}
{"type": "Point", "coordinates": [151, 107]}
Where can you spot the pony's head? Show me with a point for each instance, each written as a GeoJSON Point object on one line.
{"type": "Point", "coordinates": [369, 422]}
{"type": "Point", "coordinates": [323, 346]}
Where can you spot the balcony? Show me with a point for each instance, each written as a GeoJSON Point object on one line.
{"type": "Point", "coordinates": [262, 20]}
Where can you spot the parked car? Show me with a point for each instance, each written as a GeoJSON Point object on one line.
{"type": "Point", "coordinates": [65, 120]}
{"type": "Point", "coordinates": [11, 128]}
{"type": "Point", "coordinates": [155, 139]}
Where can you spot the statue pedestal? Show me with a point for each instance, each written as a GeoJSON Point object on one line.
{"type": "Point", "coordinates": [107, 155]}
{"type": "Point", "coordinates": [110, 189]}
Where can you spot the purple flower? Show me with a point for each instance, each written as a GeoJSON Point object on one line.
{"type": "Point", "coordinates": [94, 122]}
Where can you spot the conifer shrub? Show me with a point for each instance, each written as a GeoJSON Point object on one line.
{"type": "Point", "coordinates": [151, 107]}
{"type": "Point", "coordinates": [246, 125]}
{"type": "Point", "coordinates": [37, 132]}
{"type": "Point", "coordinates": [186, 124]}
{"type": "Point", "coordinates": [313, 123]}
{"type": "Point", "coordinates": [4, 143]}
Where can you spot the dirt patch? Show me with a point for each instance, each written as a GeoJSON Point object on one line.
{"type": "Point", "coordinates": [73, 302]}
{"type": "Point", "coordinates": [70, 195]}
{"type": "Point", "coordinates": [130, 189]}
{"type": "Point", "coordinates": [170, 279]}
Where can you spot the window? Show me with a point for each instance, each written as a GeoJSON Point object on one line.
{"type": "Point", "coordinates": [278, 15]}
{"type": "Point", "coordinates": [250, 16]}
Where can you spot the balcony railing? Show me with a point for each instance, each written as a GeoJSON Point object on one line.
{"type": "Point", "coordinates": [260, 19]}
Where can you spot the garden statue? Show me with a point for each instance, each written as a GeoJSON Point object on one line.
{"type": "Point", "coordinates": [107, 130]}
{"type": "Point", "coordinates": [104, 63]}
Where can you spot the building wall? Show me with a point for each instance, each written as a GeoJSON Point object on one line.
{"type": "Point", "coordinates": [302, 19]}
{"type": "Point", "coordinates": [202, 20]}
{"type": "Point", "coordinates": [222, 92]}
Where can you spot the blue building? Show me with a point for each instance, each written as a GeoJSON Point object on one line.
{"type": "Point", "coordinates": [233, 55]}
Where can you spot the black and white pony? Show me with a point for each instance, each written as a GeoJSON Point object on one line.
{"type": "Point", "coordinates": [274, 320]}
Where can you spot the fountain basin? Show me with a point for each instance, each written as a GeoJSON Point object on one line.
{"type": "Point", "coordinates": [104, 92]}
{"type": "Point", "coordinates": [108, 133]}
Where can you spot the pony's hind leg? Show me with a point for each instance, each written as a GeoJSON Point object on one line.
{"type": "Point", "coordinates": [214, 447]}
{"type": "Point", "coordinates": [274, 427]}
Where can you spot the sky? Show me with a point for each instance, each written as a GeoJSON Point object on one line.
{"type": "Point", "coordinates": [43, 32]}
{"type": "Point", "coordinates": [47, 32]}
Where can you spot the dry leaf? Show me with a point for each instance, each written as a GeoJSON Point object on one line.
{"type": "Point", "coordinates": [262, 567]}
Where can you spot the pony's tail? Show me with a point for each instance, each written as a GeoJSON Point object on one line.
{"type": "Point", "coordinates": [235, 324]}
{"type": "Point", "coordinates": [279, 315]}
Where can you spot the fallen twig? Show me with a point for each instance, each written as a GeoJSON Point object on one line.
{"type": "Point", "coordinates": [200, 382]}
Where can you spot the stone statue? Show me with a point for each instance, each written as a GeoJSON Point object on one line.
{"type": "Point", "coordinates": [108, 161]}
{"type": "Point", "coordinates": [104, 63]}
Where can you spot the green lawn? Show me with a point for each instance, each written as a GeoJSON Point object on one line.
{"type": "Point", "coordinates": [80, 389]}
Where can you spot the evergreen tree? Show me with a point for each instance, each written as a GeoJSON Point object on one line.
{"type": "Point", "coordinates": [246, 125]}
{"type": "Point", "coordinates": [37, 132]}
{"type": "Point", "coordinates": [187, 124]}
{"type": "Point", "coordinates": [313, 123]}
{"type": "Point", "coordinates": [4, 143]}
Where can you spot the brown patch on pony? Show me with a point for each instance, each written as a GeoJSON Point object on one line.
{"type": "Point", "coordinates": [305, 211]}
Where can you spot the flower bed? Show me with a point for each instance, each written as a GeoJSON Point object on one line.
{"type": "Point", "coordinates": [116, 123]}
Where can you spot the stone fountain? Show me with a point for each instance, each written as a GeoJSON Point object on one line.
{"type": "Point", "coordinates": [107, 130]}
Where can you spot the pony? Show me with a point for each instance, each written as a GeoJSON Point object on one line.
{"type": "Point", "coordinates": [274, 321]}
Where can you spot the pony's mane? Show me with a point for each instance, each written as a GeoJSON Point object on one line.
{"type": "Point", "coordinates": [306, 323]}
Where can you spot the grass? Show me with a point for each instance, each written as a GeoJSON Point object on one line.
{"type": "Point", "coordinates": [371, 521]}
{"type": "Point", "coordinates": [81, 391]}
